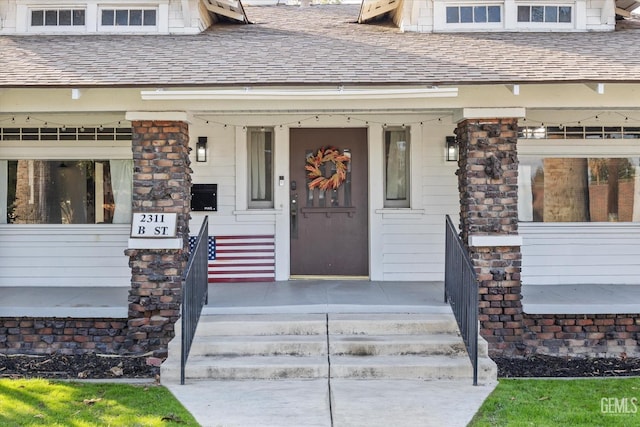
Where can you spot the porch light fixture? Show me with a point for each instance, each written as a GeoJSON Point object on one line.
{"type": "Point", "coordinates": [452, 149]}
{"type": "Point", "coordinates": [201, 149]}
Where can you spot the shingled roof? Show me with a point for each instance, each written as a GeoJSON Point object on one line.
{"type": "Point", "coordinates": [318, 45]}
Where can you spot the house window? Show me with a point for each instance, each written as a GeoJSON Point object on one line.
{"type": "Point", "coordinates": [396, 168]}
{"type": "Point", "coordinates": [260, 149]}
{"type": "Point", "coordinates": [57, 17]}
{"type": "Point", "coordinates": [548, 14]}
{"type": "Point", "coordinates": [128, 17]}
{"type": "Point", "coordinates": [579, 189]}
{"type": "Point", "coordinates": [473, 14]}
{"type": "Point", "coordinates": [65, 191]}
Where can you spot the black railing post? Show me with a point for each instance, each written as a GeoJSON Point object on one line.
{"type": "Point", "coordinates": [195, 292]}
{"type": "Point", "coordinates": [461, 292]}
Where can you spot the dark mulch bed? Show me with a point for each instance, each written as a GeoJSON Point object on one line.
{"type": "Point", "coordinates": [90, 366]}
{"type": "Point", "coordinates": [550, 366]}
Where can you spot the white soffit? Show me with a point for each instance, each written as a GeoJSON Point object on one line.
{"type": "Point", "coordinates": [298, 94]}
{"type": "Point", "coordinates": [231, 9]}
{"type": "Point", "coordinates": [373, 8]}
{"type": "Point", "coordinates": [625, 7]}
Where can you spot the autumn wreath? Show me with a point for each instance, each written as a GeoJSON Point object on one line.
{"type": "Point", "coordinates": [315, 162]}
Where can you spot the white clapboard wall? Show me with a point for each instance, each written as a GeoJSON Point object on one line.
{"type": "Point", "coordinates": [64, 255]}
{"type": "Point", "coordinates": [597, 253]}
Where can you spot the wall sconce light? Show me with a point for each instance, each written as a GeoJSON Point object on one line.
{"type": "Point", "coordinates": [452, 149]}
{"type": "Point", "coordinates": [201, 149]}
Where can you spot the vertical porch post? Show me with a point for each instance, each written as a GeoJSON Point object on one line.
{"type": "Point", "coordinates": [161, 184]}
{"type": "Point", "coordinates": [488, 187]}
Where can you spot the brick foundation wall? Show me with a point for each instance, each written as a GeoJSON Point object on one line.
{"type": "Point", "coordinates": [594, 335]}
{"type": "Point", "coordinates": [23, 335]}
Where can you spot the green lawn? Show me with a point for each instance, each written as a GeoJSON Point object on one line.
{"type": "Point", "coordinates": [40, 402]}
{"type": "Point", "coordinates": [556, 402]}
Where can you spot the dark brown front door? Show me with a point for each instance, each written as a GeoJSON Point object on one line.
{"type": "Point", "coordinates": [329, 202]}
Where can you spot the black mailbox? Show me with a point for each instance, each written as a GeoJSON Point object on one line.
{"type": "Point", "coordinates": [204, 197]}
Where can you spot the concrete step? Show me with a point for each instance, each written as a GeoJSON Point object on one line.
{"type": "Point", "coordinates": [387, 345]}
{"type": "Point", "coordinates": [392, 324]}
{"type": "Point", "coordinates": [287, 346]}
{"type": "Point", "coordinates": [411, 367]}
{"type": "Point", "coordinates": [260, 345]}
{"type": "Point", "coordinates": [262, 324]}
{"type": "Point", "coordinates": [245, 368]}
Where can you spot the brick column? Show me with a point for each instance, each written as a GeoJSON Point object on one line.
{"type": "Point", "coordinates": [162, 184]}
{"type": "Point", "coordinates": [487, 182]}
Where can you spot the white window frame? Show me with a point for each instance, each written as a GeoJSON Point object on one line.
{"type": "Point", "coordinates": [545, 25]}
{"type": "Point", "coordinates": [260, 204]}
{"type": "Point", "coordinates": [128, 28]}
{"type": "Point", "coordinates": [440, 16]}
{"type": "Point", "coordinates": [93, 16]}
{"type": "Point", "coordinates": [67, 150]}
{"type": "Point", "coordinates": [576, 148]}
{"type": "Point", "coordinates": [394, 203]}
{"type": "Point", "coordinates": [28, 13]}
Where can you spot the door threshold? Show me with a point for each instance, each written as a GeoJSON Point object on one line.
{"type": "Point", "coordinates": [323, 277]}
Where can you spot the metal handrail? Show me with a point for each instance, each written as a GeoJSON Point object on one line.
{"type": "Point", "coordinates": [461, 292]}
{"type": "Point", "coordinates": [194, 292]}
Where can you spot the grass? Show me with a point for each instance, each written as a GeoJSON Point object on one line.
{"type": "Point", "coordinates": [40, 402]}
{"type": "Point", "coordinates": [554, 402]}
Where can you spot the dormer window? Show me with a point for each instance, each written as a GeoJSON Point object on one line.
{"type": "Point", "coordinates": [548, 14]}
{"type": "Point", "coordinates": [57, 17]}
{"type": "Point", "coordinates": [473, 14]}
{"type": "Point", "coordinates": [129, 17]}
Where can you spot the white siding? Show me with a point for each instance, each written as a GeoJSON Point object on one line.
{"type": "Point", "coordinates": [64, 255]}
{"type": "Point", "coordinates": [558, 254]}
{"type": "Point", "coordinates": [413, 241]}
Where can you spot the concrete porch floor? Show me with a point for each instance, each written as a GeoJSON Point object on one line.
{"type": "Point", "coordinates": [297, 296]}
{"type": "Point", "coordinates": [316, 296]}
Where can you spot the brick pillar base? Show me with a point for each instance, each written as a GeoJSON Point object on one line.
{"type": "Point", "coordinates": [488, 185]}
{"type": "Point", "coordinates": [161, 183]}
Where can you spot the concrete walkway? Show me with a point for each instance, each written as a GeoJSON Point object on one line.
{"type": "Point", "coordinates": [340, 403]}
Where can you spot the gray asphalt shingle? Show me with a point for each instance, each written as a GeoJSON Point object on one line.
{"type": "Point", "coordinates": [317, 45]}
